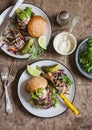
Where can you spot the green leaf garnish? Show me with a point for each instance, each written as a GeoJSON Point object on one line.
{"type": "Point", "coordinates": [22, 15]}
{"type": "Point", "coordinates": [25, 14]}
{"type": "Point", "coordinates": [28, 10]}
{"type": "Point", "coordinates": [32, 53]}
{"type": "Point", "coordinates": [34, 96]}
{"type": "Point", "coordinates": [38, 93]}
{"type": "Point", "coordinates": [54, 99]}
{"type": "Point", "coordinates": [85, 57]}
{"type": "Point", "coordinates": [35, 51]}
{"type": "Point", "coordinates": [66, 79]}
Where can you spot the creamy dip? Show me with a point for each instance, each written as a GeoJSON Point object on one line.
{"type": "Point", "coordinates": [64, 44]}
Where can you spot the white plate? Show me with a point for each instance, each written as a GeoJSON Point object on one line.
{"type": "Point", "coordinates": [24, 96]}
{"type": "Point", "coordinates": [37, 11]}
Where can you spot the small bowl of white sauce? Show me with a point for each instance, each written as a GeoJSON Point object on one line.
{"type": "Point", "coordinates": [64, 43]}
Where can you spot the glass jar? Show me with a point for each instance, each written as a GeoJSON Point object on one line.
{"type": "Point", "coordinates": [63, 18]}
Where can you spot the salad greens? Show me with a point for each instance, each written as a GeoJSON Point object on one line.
{"type": "Point", "coordinates": [25, 14]}
{"type": "Point", "coordinates": [28, 10]}
{"type": "Point", "coordinates": [35, 51]}
{"type": "Point", "coordinates": [34, 96]}
{"type": "Point", "coordinates": [37, 93]}
{"type": "Point", "coordinates": [54, 99]}
{"type": "Point", "coordinates": [22, 15]}
{"type": "Point", "coordinates": [66, 79]}
{"type": "Point", "coordinates": [85, 57]}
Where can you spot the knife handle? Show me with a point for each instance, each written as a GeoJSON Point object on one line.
{"type": "Point", "coordinates": [18, 3]}
{"type": "Point", "coordinates": [69, 104]}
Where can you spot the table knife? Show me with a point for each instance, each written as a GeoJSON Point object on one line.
{"type": "Point", "coordinates": [7, 19]}
{"type": "Point", "coordinates": [67, 102]}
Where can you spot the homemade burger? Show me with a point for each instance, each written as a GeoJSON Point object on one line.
{"type": "Point", "coordinates": [36, 26]}
{"type": "Point", "coordinates": [42, 95]}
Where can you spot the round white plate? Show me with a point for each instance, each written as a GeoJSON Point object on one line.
{"type": "Point", "coordinates": [25, 97]}
{"type": "Point", "coordinates": [37, 11]}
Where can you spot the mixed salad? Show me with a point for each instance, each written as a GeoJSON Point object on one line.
{"type": "Point", "coordinates": [85, 57]}
{"type": "Point", "coordinates": [58, 81]}
{"type": "Point", "coordinates": [58, 77]}
{"type": "Point", "coordinates": [17, 38]}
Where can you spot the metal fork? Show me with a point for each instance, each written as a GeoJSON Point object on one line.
{"type": "Point", "coordinates": [4, 77]}
{"type": "Point", "coordinates": [11, 77]}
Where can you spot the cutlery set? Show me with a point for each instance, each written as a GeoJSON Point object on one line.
{"type": "Point", "coordinates": [4, 77]}
{"type": "Point", "coordinates": [7, 77]}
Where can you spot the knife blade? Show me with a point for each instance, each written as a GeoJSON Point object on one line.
{"type": "Point", "coordinates": [67, 102]}
{"type": "Point", "coordinates": [7, 19]}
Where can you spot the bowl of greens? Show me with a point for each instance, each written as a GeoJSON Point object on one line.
{"type": "Point", "coordinates": [83, 57]}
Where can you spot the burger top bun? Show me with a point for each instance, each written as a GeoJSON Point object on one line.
{"type": "Point", "coordinates": [36, 26]}
{"type": "Point", "coordinates": [36, 82]}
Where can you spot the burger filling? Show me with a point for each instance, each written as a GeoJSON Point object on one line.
{"type": "Point", "coordinates": [44, 98]}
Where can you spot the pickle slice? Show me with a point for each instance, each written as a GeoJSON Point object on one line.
{"type": "Point", "coordinates": [52, 68]}
{"type": "Point", "coordinates": [27, 46]}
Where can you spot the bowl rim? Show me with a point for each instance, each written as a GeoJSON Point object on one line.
{"type": "Point", "coordinates": [75, 43]}
{"type": "Point", "coordinates": [83, 72]}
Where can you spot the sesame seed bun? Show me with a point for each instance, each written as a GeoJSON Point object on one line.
{"type": "Point", "coordinates": [36, 82]}
{"type": "Point", "coordinates": [36, 26]}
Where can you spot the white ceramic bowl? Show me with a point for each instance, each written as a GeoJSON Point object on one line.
{"type": "Point", "coordinates": [64, 43]}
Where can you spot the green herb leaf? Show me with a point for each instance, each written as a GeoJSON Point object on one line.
{"type": "Point", "coordinates": [32, 53]}
{"type": "Point", "coordinates": [66, 79]}
{"type": "Point", "coordinates": [54, 99]}
{"type": "Point", "coordinates": [35, 51]}
{"type": "Point", "coordinates": [85, 57]}
{"type": "Point", "coordinates": [28, 10]}
{"type": "Point", "coordinates": [39, 91]}
{"type": "Point", "coordinates": [22, 15]}
{"type": "Point", "coordinates": [34, 96]}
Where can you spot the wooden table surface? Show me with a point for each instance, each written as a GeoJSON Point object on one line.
{"type": "Point", "coordinates": [20, 119]}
